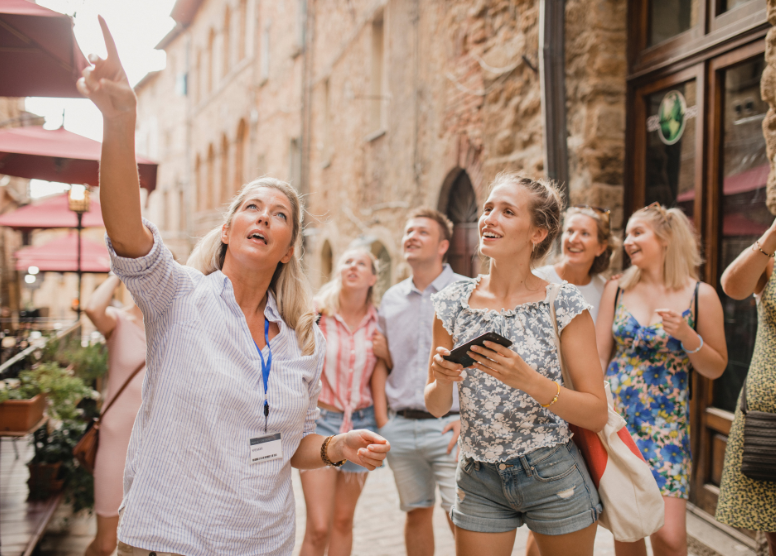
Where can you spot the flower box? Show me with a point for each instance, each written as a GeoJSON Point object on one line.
{"type": "Point", "coordinates": [21, 415]}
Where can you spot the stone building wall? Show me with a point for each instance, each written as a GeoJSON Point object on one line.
{"type": "Point", "coordinates": [596, 67]}
{"type": "Point", "coordinates": [457, 90]}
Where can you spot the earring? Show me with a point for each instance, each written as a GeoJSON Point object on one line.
{"type": "Point", "coordinates": [533, 247]}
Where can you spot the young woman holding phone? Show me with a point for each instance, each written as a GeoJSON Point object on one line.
{"type": "Point", "coordinates": [234, 361]}
{"type": "Point", "coordinates": [518, 463]}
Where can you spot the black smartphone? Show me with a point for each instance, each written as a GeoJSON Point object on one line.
{"type": "Point", "coordinates": [459, 354]}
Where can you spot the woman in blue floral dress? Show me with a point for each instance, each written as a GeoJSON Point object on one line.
{"type": "Point", "coordinates": [649, 319]}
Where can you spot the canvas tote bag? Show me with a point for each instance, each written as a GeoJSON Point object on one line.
{"type": "Point", "coordinates": [633, 504]}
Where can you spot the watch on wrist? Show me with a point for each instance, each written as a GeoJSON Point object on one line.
{"type": "Point", "coordinates": [325, 455]}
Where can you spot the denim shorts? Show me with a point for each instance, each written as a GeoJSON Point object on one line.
{"type": "Point", "coordinates": [548, 489]}
{"type": "Point", "coordinates": [420, 462]}
{"type": "Point", "coordinates": [329, 423]}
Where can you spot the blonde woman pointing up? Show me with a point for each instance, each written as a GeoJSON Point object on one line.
{"type": "Point", "coordinates": [234, 361]}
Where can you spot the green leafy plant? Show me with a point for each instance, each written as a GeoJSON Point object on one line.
{"type": "Point", "coordinates": [22, 388]}
{"type": "Point", "coordinates": [56, 446]}
{"type": "Point", "coordinates": [89, 362]}
{"type": "Point", "coordinates": [62, 389]}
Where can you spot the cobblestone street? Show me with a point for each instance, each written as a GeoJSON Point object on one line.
{"type": "Point", "coordinates": [378, 528]}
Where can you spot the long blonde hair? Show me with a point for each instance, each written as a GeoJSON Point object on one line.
{"type": "Point", "coordinates": [289, 284]}
{"type": "Point", "coordinates": [328, 296]}
{"type": "Point", "coordinates": [682, 255]}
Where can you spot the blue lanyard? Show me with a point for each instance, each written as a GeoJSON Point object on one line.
{"type": "Point", "coordinates": [266, 367]}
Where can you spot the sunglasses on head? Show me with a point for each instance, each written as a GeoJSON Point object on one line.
{"type": "Point", "coordinates": [603, 212]}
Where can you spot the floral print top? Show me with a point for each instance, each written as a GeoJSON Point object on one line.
{"type": "Point", "coordinates": [498, 422]}
{"type": "Point", "coordinates": [648, 377]}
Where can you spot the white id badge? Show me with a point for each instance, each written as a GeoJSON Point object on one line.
{"type": "Point", "coordinates": [266, 448]}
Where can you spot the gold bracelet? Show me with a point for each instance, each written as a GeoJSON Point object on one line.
{"type": "Point", "coordinates": [757, 243]}
{"type": "Point", "coordinates": [325, 455]}
{"type": "Point", "coordinates": [555, 399]}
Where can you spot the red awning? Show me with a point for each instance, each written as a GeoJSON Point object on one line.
{"type": "Point", "coordinates": [51, 212]}
{"type": "Point", "coordinates": [40, 56]}
{"type": "Point", "coordinates": [61, 255]}
{"type": "Point", "coordinates": [742, 182]}
{"type": "Point", "coordinates": [737, 224]}
{"type": "Point", "coordinates": [58, 155]}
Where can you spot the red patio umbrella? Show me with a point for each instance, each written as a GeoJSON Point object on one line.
{"type": "Point", "coordinates": [58, 155]}
{"type": "Point", "coordinates": [39, 56]}
{"type": "Point", "coordinates": [52, 212]}
{"type": "Point", "coordinates": [61, 254]}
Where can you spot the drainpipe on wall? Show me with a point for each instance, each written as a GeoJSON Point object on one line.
{"type": "Point", "coordinates": [552, 75]}
{"type": "Point", "coordinates": [308, 74]}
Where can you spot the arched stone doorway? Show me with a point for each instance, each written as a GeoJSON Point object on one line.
{"type": "Point", "coordinates": [459, 202]}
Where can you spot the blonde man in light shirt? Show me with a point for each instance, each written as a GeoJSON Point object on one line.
{"type": "Point", "coordinates": [423, 455]}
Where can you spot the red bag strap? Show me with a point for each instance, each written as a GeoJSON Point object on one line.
{"type": "Point", "coordinates": [123, 386]}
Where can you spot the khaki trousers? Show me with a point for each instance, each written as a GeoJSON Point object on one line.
{"type": "Point", "coordinates": [126, 550]}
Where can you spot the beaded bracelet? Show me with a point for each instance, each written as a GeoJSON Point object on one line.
{"type": "Point", "coordinates": [757, 243]}
{"type": "Point", "coordinates": [555, 399]}
{"type": "Point", "coordinates": [696, 350]}
{"type": "Point", "coordinates": [325, 456]}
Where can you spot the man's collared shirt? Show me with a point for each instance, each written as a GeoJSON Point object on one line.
{"type": "Point", "coordinates": [189, 484]}
{"type": "Point", "coordinates": [406, 317]}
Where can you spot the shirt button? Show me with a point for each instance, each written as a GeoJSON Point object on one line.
{"type": "Point", "coordinates": [502, 466]}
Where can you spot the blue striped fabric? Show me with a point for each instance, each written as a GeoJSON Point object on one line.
{"type": "Point", "coordinates": [189, 486]}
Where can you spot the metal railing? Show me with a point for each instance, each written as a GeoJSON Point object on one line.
{"type": "Point", "coordinates": [40, 343]}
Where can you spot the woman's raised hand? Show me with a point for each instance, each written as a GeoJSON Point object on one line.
{"type": "Point", "coordinates": [106, 84]}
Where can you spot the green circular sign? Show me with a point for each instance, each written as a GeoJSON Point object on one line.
{"type": "Point", "coordinates": [671, 116]}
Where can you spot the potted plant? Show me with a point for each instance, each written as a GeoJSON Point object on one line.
{"type": "Point", "coordinates": [53, 463]}
{"type": "Point", "coordinates": [21, 404]}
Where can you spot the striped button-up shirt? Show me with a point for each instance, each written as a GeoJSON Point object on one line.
{"type": "Point", "coordinates": [406, 318]}
{"type": "Point", "coordinates": [189, 485]}
{"type": "Point", "coordinates": [349, 364]}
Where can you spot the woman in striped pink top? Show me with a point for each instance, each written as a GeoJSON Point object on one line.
{"type": "Point", "coordinates": [348, 321]}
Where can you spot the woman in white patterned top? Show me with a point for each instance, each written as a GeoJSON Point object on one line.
{"type": "Point", "coordinates": [587, 244]}
{"type": "Point", "coordinates": [518, 463]}
{"type": "Point", "coordinates": [234, 361]}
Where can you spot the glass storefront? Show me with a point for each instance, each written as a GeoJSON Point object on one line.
{"type": "Point", "coordinates": [671, 147]}
{"type": "Point", "coordinates": [668, 18]}
{"type": "Point", "coordinates": [743, 212]}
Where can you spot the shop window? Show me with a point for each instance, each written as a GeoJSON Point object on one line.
{"type": "Point", "coordinates": [224, 192]}
{"type": "Point", "coordinates": [726, 5]}
{"type": "Point", "coordinates": [211, 42]}
{"type": "Point", "coordinates": [265, 54]}
{"type": "Point", "coordinates": [227, 41]}
{"type": "Point", "coordinates": [199, 186]}
{"type": "Point", "coordinates": [671, 147]}
{"type": "Point", "coordinates": [744, 214]}
{"type": "Point", "coordinates": [668, 18]}
{"type": "Point", "coordinates": [376, 80]}
{"type": "Point", "coordinates": [209, 179]}
{"type": "Point", "coordinates": [239, 157]}
{"type": "Point", "coordinates": [327, 262]}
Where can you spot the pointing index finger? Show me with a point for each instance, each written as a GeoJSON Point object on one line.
{"type": "Point", "coordinates": [110, 44]}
